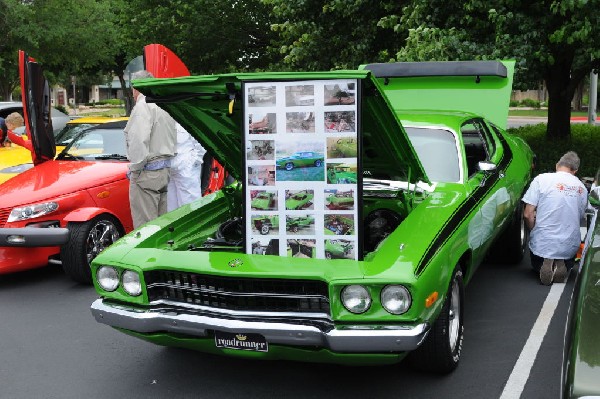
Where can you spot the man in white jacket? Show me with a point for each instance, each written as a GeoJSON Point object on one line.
{"type": "Point", "coordinates": [186, 171]}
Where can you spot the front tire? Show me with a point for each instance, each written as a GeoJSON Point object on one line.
{"type": "Point", "coordinates": [264, 229]}
{"type": "Point", "coordinates": [511, 245]}
{"type": "Point", "coordinates": [318, 163]}
{"type": "Point", "coordinates": [440, 353]}
{"type": "Point", "coordinates": [289, 166]}
{"type": "Point", "coordinates": [86, 241]}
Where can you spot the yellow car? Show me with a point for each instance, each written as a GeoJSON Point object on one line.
{"type": "Point", "coordinates": [16, 159]}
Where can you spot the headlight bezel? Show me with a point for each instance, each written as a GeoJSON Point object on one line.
{"type": "Point", "coordinates": [32, 211]}
{"type": "Point", "coordinates": [116, 278]}
{"type": "Point", "coordinates": [392, 291]}
{"type": "Point", "coordinates": [137, 281]}
{"type": "Point", "coordinates": [356, 292]}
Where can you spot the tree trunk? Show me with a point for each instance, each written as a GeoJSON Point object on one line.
{"type": "Point", "coordinates": [127, 95]}
{"type": "Point", "coordinates": [560, 94]}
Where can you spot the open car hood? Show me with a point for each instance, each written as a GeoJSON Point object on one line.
{"type": "Point", "coordinates": [210, 108]}
{"type": "Point", "coordinates": [163, 63]}
{"type": "Point", "coordinates": [36, 109]}
{"type": "Point", "coordinates": [479, 87]}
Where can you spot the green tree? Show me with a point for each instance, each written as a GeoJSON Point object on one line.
{"type": "Point", "coordinates": [554, 41]}
{"type": "Point", "coordinates": [209, 36]}
{"type": "Point", "coordinates": [14, 36]}
{"type": "Point", "coordinates": [332, 34]}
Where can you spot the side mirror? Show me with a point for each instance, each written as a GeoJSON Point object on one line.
{"type": "Point", "coordinates": [486, 166]}
{"type": "Point", "coordinates": [594, 197]}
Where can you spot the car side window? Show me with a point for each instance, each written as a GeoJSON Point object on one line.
{"type": "Point", "coordinates": [477, 142]}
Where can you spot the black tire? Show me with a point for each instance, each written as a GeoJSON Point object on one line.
{"type": "Point", "coordinates": [86, 241]}
{"type": "Point", "coordinates": [294, 229]}
{"type": "Point", "coordinates": [264, 229]}
{"type": "Point", "coordinates": [440, 352]}
{"type": "Point", "coordinates": [289, 166]}
{"type": "Point", "coordinates": [511, 246]}
{"type": "Point", "coordinates": [328, 255]}
{"type": "Point", "coordinates": [318, 163]}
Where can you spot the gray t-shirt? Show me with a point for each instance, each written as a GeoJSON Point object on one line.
{"type": "Point", "coordinates": [560, 199]}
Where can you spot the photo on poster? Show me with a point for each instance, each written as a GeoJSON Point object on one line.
{"type": "Point", "coordinates": [265, 224]}
{"type": "Point", "coordinates": [300, 122]}
{"type": "Point", "coordinates": [342, 93]}
{"type": "Point", "coordinates": [340, 121]}
{"type": "Point", "coordinates": [262, 96]}
{"type": "Point", "coordinates": [304, 224]}
{"type": "Point", "coordinates": [265, 246]}
{"type": "Point", "coordinates": [339, 199]}
{"type": "Point", "coordinates": [260, 150]}
{"type": "Point", "coordinates": [299, 199]}
{"type": "Point", "coordinates": [342, 173]}
{"type": "Point", "coordinates": [299, 95]}
{"type": "Point", "coordinates": [339, 249]}
{"type": "Point", "coordinates": [339, 224]}
{"type": "Point", "coordinates": [262, 122]}
{"type": "Point", "coordinates": [301, 248]}
{"type": "Point", "coordinates": [342, 147]}
{"type": "Point", "coordinates": [261, 175]}
{"type": "Point", "coordinates": [300, 161]}
{"type": "Point", "coordinates": [263, 200]}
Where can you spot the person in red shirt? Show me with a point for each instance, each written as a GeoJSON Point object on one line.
{"type": "Point", "coordinates": [12, 122]}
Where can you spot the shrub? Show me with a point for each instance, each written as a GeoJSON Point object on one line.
{"type": "Point", "coordinates": [514, 103]}
{"type": "Point", "coordinates": [528, 102]}
{"type": "Point", "coordinates": [583, 141]}
{"type": "Point", "coordinates": [62, 109]}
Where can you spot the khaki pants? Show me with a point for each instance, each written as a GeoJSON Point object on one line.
{"type": "Point", "coordinates": [148, 195]}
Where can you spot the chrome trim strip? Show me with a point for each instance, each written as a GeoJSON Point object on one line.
{"type": "Point", "coordinates": [235, 294]}
{"type": "Point", "coordinates": [240, 313]}
{"type": "Point", "coordinates": [347, 339]}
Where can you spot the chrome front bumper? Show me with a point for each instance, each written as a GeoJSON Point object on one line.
{"type": "Point", "coordinates": [346, 339]}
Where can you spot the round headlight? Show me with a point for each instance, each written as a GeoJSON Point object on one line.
{"type": "Point", "coordinates": [356, 298]}
{"type": "Point", "coordinates": [131, 282]}
{"type": "Point", "coordinates": [108, 278]}
{"type": "Point", "coordinates": [395, 299]}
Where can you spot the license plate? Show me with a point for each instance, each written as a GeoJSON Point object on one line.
{"type": "Point", "coordinates": [247, 342]}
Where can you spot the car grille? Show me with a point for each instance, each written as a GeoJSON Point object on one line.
{"type": "Point", "coordinates": [240, 294]}
{"type": "Point", "coordinates": [4, 216]}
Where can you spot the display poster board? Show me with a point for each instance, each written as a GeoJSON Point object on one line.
{"type": "Point", "coordinates": [302, 168]}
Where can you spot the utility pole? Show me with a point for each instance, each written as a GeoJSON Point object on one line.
{"type": "Point", "coordinates": [593, 97]}
{"type": "Point", "coordinates": [74, 95]}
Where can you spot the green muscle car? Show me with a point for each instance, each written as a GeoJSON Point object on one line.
{"type": "Point", "coordinates": [337, 248]}
{"type": "Point", "coordinates": [340, 200]}
{"type": "Point", "coordinates": [438, 184]}
{"type": "Point", "coordinates": [581, 356]}
{"type": "Point", "coordinates": [264, 200]}
{"type": "Point", "coordinates": [341, 174]}
{"type": "Point", "coordinates": [300, 200]}
{"type": "Point", "coordinates": [300, 159]}
{"type": "Point", "coordinates": [294, 224]}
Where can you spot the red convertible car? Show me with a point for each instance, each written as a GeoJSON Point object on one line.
{"type": "Point", "coordinates": [70, 207]}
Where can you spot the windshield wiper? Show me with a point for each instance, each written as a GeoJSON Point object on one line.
{"type": "Point", "coordinates": [112, 156]}
{"type": "Point", "coordinates": [66, 155]}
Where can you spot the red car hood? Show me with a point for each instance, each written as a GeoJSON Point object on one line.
{"type": "Point", "coordinates": [57, 178]}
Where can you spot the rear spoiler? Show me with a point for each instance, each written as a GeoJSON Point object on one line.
{"type": "Point", "coordinates": [437, 68]}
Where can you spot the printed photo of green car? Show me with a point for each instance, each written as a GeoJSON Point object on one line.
{"type": "Point", "coordinates": [438, 182]}
{"type": "Point", "coordinates": [299, 199]}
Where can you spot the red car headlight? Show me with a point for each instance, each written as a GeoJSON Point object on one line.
{"type": "Point", "coordinates": [32, 211]}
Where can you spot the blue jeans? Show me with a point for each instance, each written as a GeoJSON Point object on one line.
{"type": "Point", "coordinates": [536, 262]}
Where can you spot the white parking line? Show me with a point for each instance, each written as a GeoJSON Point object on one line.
{"type": "Point", "coordinates": [520, 373]}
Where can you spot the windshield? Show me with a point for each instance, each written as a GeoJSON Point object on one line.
{"type": "Point", "coordinates": [66, 135]}
{"type": "Point", "coordinates": [97, 144]}
{"type": "Point", "coordinates": [437, 152]}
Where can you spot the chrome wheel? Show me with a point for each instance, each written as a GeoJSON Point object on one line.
{"type": "Point", "coordinates": [101, 236]}
{"type": "Point", "coordinates": [454, 315]}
